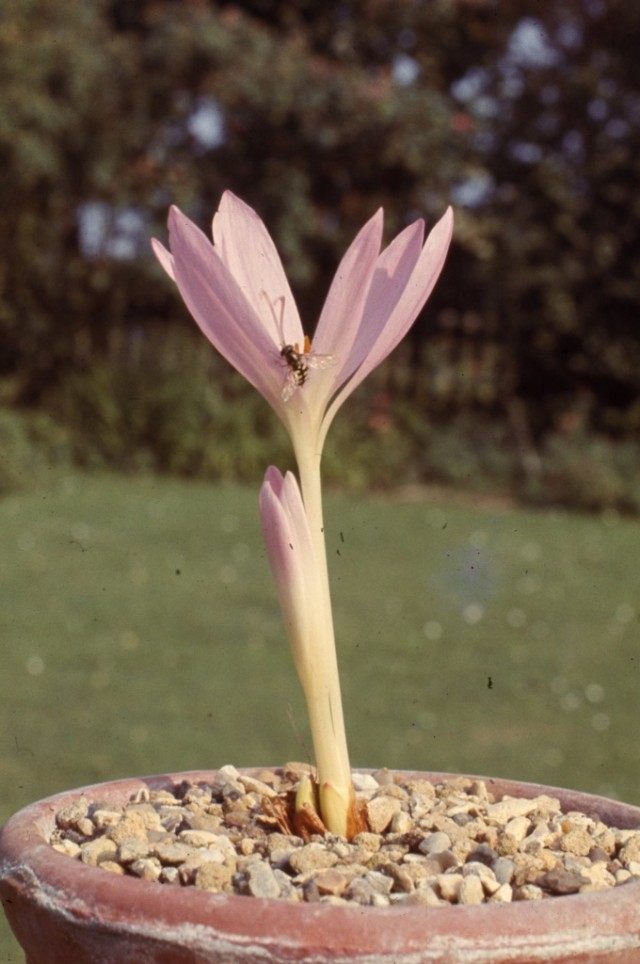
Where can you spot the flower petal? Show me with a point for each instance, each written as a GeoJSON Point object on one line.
{"type": "Point", "coordinates": [164, 257]}
{"type": "Point", "coordinates": [246, 248]}
{"type": "Point", "coordinates": [418, 287]}
{"type": "Point", "coordinates": [342, 311]}
{"type": "Point", "coordinates": [290, 554]}
{"type": "Point", "coordinates": [273, 476]}
{"type": "Point", "coordinates": [393, 270]}
{"type": "Point", "coordinates": [291, 499]}
{"type": "Point", "coordinates": [220, 309]}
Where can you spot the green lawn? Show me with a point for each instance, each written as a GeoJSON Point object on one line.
{"type": "Point", "coordinates": [139, 632]}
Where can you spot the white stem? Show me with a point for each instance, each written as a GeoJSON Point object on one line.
{"type": "Point", "coordinates": [321, 683]}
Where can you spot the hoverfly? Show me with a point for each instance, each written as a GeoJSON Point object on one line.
{"type": "Point", "coordinates": [298, 361]}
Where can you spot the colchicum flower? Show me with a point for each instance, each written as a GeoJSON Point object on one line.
{"type": "Point", "coordinates": [237, 291]}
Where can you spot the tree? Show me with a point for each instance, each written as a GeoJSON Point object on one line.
{"type": "Point", "coordinates": [561, 141]}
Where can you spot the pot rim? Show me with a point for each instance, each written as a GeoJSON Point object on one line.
{"type": "Point", "coordinates": [90, 894]}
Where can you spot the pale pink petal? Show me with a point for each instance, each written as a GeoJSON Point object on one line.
{"type": "Point", "coordinates": [407, 308]}
{"type": "Point", "coordinates": [340, 318]}
{"type": "Point", "coordinates": [292, 527]}
{"type": "Point", "coordinates": [289, 561]}
{"type": "Point", "coordinates": [393, 270]}
{"type": "Point", "coordinates": [246, 248]}
{"type": "Point", "coordinates": [221, 310]}
{"type": "Point", "coordinates": [291, 499]}
{"type": "Point", "coordinates": [273, 476]}
{"type": "Point", "coordinates": [282, 550]}
{"type": "Point", "coordinates": [164, 257]}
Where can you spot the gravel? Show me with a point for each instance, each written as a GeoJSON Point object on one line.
{"type": "Point", "coordinates": [430, 845]}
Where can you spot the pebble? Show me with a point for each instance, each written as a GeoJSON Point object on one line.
{"type": "Point", "coordinates": [68, 816]}
{"type": "Point", "coordinates": [189, 868]}
{"type": "Point", "coordinates": [401, 822]}
{"type": "Point", "coordinates": [503, 869]}
{"type": "Point", "coordinates": [311, 857]}
{"type": "Point", "coordinates": [503, 895]}
{"type": "Point", "coordinates": [199, 838]}
{"type": "Point", "coordinates": [171, 853]}
{"type": "Point", "coordinates": [261, 881]}
{"type": "Point", "coordinates": [203, 821]}
{"type": "Point", "coordinates": [598, 876]}
{"type": "Point", "coordinates": [213, 876]}
{"type": "Point", "coordinates": [449, 886]}
{"type": "Point", "coordinates": [133, 848]}
{"type": "Point", "coordinates": [364, 889]}
{"type": "Point", "coordinates": [380, 812]}
{"type": "Point", "coordinates": [95, 851]}
{"type": "Point", "coordinates": [562, 881]}
{"type": "Point", "coordinates": [630, 851]}
{"type": "Point", "coordinates": [435, 843]}
{"type": "Point", "coordinates": [147, 813]}
{"type": "Point", "coordinates": [426, 896]}
{"type": "Point", "coordinates": [170, 875]}
{"type": "Point", "coordinates": [149, 868]}
{"type": "Point", "coordinates": [106, 818]}
{"type": "Point", "coordinates": [383, 777]}
{"type": "Point", "coordinates": [484, 874]}
{"type": "Point", "coordinates": [577, 842]}
{"type": "Point", "coordinates": [331, 881]}
{"type": "Point", "coordinates": [471, 890]}
{"type": "Point", "coordinates": [67, 847]}
{"type": "Point", "coordinates": [528, 892]}
{"type": "Point", "coordinates": [368, 841]}
{"type": "Point", "coordinates": [256, 786]}
{"type": "Point", "coordinates": [130, 825]}
{"type": "Point", "coordinates": [509, 807]}
{"type": "Point", "coordinates": [288, 889]}
{"type": "Point", "coordinates": [402, 878]}
{"type": "Point", "coordinates": [363, 782]}
{"type": "Point", "coordinates": [517, 828]}
{"type": "Point", "coordinates": [426, 845]}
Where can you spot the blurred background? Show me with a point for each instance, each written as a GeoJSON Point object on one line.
{"type": "Point", "coordinates": [486, 575]}
{"type": "Point", "coordinates": [523, 376]}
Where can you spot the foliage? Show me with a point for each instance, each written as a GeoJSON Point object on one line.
{"type": "Point", "coordinates": [527, 117]}
{"type": "Point", "coordinates": [165, 402]}
{"type": "Point", "coordinates": [588, 472]}
{"type": "Point", "coordinates": [111, 135]}
{"type": "Point", "coordinates": [31, 446]}
{"type": "Point", "coordinates": [561, 144]}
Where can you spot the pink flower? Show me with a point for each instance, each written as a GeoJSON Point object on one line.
{"type": "Point", "coordinates": [237, 291]}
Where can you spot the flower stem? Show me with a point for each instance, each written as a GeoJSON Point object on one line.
{"type": "Point", "coordinates": [321, 683]}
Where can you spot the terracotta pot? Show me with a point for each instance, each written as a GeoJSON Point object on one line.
{"type": "Point", "coordinates": [64, 912]}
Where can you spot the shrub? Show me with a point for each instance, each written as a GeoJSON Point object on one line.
{"type": "Point", "coordinates": [469, 451]}
{"type": "Point", "coordinates": [589, 472]}
{"type": "Point", "coordinates": [30, 444]}
{"type": "Point", "coordinates": [164, 402]}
